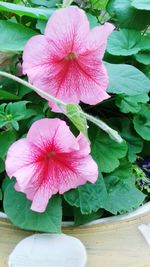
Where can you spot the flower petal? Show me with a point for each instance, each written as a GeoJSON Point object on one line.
{"type": "Point", "coordinates": [52, 132]}
{"type": "Point", "coordinates": [68, 28]}
{"type": "Point", "coordinates": [81, 170]}
{"type": "Point", "coordinates": [20, 154]}
{"type": "Point", "coordinates": [84, 145]}
{"type": "Point", "coordinates": [50, 160]}
{"type": "Point", "coordinates": [97, 38]}
{"type": "Point", "coordinates": [82, 79]}
{"type": "Point", "coordinates": [36, 54]}
{"type": "Point", "coordinates": [41, 198]}
{"type": "Point", "coordinates": [65, 173]}
{"type": "Point", "coordinates": [92, 79]}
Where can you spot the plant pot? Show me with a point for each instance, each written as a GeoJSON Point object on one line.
{"type": "Point", "coordinates": [114, 241]}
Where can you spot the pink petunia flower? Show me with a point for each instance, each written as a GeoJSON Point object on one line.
{"type": "Point", "coordinates": [50, 160]}
{"type": "Point", "coordinates": [66, 62]}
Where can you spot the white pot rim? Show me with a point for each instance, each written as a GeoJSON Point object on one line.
{"type": "Point", "coordinates": [140, 211]}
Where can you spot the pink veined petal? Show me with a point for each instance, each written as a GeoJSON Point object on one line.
{"type": "Point", "coordinates": [64, 173]}
{"type": "Point", "coordinates": [36, 54]}
{"type": "Point", "coordinates": [68, 28]}
{"type": "Point", "coordinates": [48, 70]}
{"type": "Point", "coordinates": [97, 38]}
{"type": "Point", "coordinates": [52, 133]}
{"type": "Point", "coordinates": [84, 78]}
{"type": "Point", "coordinates": [84, 146]}
{"type": "Point", "coordinates": [38, 58]}
{"type": "Point", "coordinates": [44, 59]}
{"type": "Point", "coordinates": [83, 170]}
{"type": "Point", "coordinates": [24, 176]}
{"type": "Point", "coordinates": [20, 154]}
{"type": "Point", "coordinates": [28, 190]}
{"type": "Point", "coordinates": [41, 198]}
{"type": "Point", "coordinates": [90, 78]}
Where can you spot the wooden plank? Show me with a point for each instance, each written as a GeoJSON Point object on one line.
{"type": "Point", "coordinates": [115, 244]}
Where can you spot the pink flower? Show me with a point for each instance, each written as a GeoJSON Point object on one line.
{"type": "Point", "coordinates": [50, 160]}
{"type": "Point", "coordinates": [66, 62]}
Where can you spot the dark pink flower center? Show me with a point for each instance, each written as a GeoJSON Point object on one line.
{"type": "Point", "coordinates": [49, 155]}
{"type": "Point", "coordinates": [71, 55]}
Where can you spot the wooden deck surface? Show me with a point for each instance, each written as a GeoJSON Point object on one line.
{"type": "Point", "coordinates": [113, 244]}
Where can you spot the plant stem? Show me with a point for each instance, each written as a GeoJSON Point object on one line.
{"type": "Point", "coordinates": [112, 133]}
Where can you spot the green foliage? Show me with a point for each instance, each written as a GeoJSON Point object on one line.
{"type": "Point", "coordinates": [6, 139]}
{"type": "Point", "coordinates": [4, 95]}
{"type": "Point", "coordinates": [141, 4]}
{"type": "Point", "coordinates": [46, 3]}
{"type": "Point", "coordinates": [123, 196]}
{"type": "Point", "coordinates": [13, 112]}
{"type": "Point", "coordinates": [107, 159]}
{"type": "Point", "coordinates": [1, 195]}
{"type": "Point", "coordinates": [40, 13]}
{"type": "Point", "coordinates": [142, 122]}
{"type": "Point", "coordinates": [143, 57]}
{"type": "Point", "coordinates": [80, 218]}
{"type": "Point", "coordinates": [41, 24]}
{"type": "Point", "coordinates": [126, 16]}
{"type": "Point", "coordinates": [98, 4]}
{"type": "Point", "coordinates": [124, 42]}
{"type": "Point", "coordinates": [126, 79]}
{"type": "Point", "coordinates": [92, 20]}
{"type": "Point", "coordinates": [21, 214]}
{"type": "Point", "coordinates": [2, 165]}
{"type": "Point", "coordinates": [89, 197]}
{"type": "Point", "coordinates": [134, 141]}
{"type": "Point", "coordinates": [131, 103]}
{"type": "Point", "coordinates": [14, 36]}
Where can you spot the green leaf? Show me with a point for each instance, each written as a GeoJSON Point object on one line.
{"type": "Point", "coordinates": [92, 20]}
{"type": "Point", "coordinates": [23, 90]}
{"type": "Point", "coordinates": [40, 13]}
{"type": "Point", "coordinates": [124, 170]}
{"type": "Point", "coordinates": [141, 4]}
{"type": "Point", "coordinates": [131, 103]}
{"type": "Point", "coordinates": [41, 24]}
{"type": "Point", "coordinates": [106, 151]}
{"type": "Point", "coordinates": [124, 42]}
{"type": "Point", "coordinates": [2, 165]}
{"type": "Point", "coordinates": [18, 110]}
{"type": "Point", "coordinates": [1, 196]}
{"type": "Point", "coordinates": [46, 3]}
{"type": "Point", "coordinates": [73, 113]}
{"type": "Point", "coordinates": [123, 196]}
{"type": "Point", "coordinates": [142, 122]}
{"type": "Point", "coordinates": [22, 216]}
{"type": "Point", "coordinates": [86, 218]}
{"type": "Point", "coordinates": [13, 112]}
{"type": "Point", "coordinates": [126, 79]}
{"type": "Point", "coordinates": [127, 16]}
{"type": "Point", "coordinates": [5, 183]}
{"type": "Point", "coordinates": [135, 143]}
{"type": "Point", "coordinates": [145, 42]}
{"type": "Point", "coordinates": [98, 4]}
{"type": "Point", "coordinates": [143, 57]}
{"type": "Point", "coordinates": [6, 139]}
{"type": "Point", "coordinates": [14, 36]}
{"type": "Point", "coordinates": [89, 197]}
{"type": "Point", "coordinates": [4, 95]}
